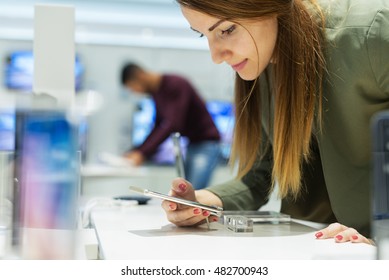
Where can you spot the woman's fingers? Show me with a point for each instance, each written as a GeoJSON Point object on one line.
{"type": "Point", "coordinates": [184, 217]}
{"type": "Point", "coordinates": [182, 188]}
{"type": "Point", "coordinates": [331, 231]}
{"type": "Point", "coordinates": [341, 234]}
{"type": "Point", "coordinates": [346, 235]}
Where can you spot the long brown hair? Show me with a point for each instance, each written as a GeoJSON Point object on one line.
{"type": "Point", "coordinates": [297, 79]}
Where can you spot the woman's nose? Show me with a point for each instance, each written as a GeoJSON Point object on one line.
{"type": "Point", "coordinates": [219, 53]}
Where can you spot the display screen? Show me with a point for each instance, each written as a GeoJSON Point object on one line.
{"type": "Point", "coordinates": [222, 113]}
{"type": "Point", "coordinates": [19, 71]}
{"type": "Point", "coordinates": [7, 130]}
{"type": "Point", "coordinates": [18, 76]}
{"type": "Point", "coordinates": [47, 169]}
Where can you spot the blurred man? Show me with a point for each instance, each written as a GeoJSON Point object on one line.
{"type": "Point", "coordinates": [179, 108]}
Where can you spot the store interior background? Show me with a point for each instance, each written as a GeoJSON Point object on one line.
{"type": "Point", "coordinates": [107, 34]}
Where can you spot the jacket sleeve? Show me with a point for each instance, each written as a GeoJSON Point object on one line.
{"type": "Point", "coordinates": [252, 190]}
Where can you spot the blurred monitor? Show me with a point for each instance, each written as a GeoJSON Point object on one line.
{"type": "Point", "coordinates": [223, 115]}
{"type": "Point", "coordinates": [144, 116]}
{"type": "Point", "coordinates": [83, 139]}
{"type": "Point", "coordinates": [7, 130]}
{"type": "Point", "coordinates": [19, 71]}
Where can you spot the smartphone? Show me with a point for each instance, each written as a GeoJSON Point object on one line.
{"type": "Point", "coordinates": [380, 186]}
{"type": "Point", "coordinates": [140, 199]}
{"type": "Point", "coordinates": [214, 210]}
{"type": "Point", "coordinates": [380, 139]}
{"type": "Point", "coordinates": [47, 169]}
{"type": "Point", "coordinates": [47, 173]}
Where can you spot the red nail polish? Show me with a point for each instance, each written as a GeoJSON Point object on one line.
{"type": "Point", "coordinates": [182, 187]}
{"type": "Point", "coordinates": [319, 234]}
{"type": "Point", "coordinates": [171, 206]}
{"type": "Point", "coordinates": [214, 219]}
{"type": "Point", "coordinates": [206, 213]}
{"type": "Point", "coordinates": [196, 211]}
{"type": "Point", "coordinates": [339, 237]}
{"type": "Point", "coordinates": [355, 237]}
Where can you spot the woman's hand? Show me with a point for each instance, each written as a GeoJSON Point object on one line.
{"type": "Point", "coordinates": [182, 215]}
{"type": "Point", "coordinates": [342, 234]}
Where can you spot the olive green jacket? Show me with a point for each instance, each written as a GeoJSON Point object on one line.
{"type": "Point", "coordinates": [338, 179]}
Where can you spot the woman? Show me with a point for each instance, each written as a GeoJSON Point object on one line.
{"type": "Point", "coordinates": [309, 78]}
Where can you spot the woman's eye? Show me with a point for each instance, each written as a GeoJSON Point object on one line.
{"type": "Point", "coordinates": [199, 33]}
{"type": "Point", "coordinates": [229, 30]}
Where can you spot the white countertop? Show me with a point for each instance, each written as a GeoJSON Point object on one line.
{"type": "Point", "coordinates": [143, 232]}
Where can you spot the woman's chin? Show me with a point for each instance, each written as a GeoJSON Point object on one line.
{"type": "Point", "coordinates": [247, 77]}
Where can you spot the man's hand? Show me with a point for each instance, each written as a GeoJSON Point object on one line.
{"type": "Point", "coordinates": [135, 157]}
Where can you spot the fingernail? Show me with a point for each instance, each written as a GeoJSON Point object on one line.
{"type": "Point", "coordinates": [196, 211]}
{"type": "Point", "coordinates": [182, 187]}
{"type": "Point", "coordinates": [206, 213]}
{"type": "Point", "coordinates": [319, 234]}
{"type": "Point", "coordinates": [355, 237]}
{"type": "Point", "coordinates": [171, 206]}
{"type": "Point", "coordinates": [214, 219]}
{"type": "Point", "coordinates": [339, 237]}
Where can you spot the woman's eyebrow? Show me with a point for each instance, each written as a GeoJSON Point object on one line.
{"type": "Point", "coordinates": [212, 27]}
{"type": "Point", "coordinates": [216, 25]}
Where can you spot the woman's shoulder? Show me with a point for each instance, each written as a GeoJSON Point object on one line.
{"type": "Point", "coordinates": [346, 14]}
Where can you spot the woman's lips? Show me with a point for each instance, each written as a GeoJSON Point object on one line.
{"type": "Point", "coordinates": [239, 66]}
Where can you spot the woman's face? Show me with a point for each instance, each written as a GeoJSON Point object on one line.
{"type": "Point", "coordinates": [247, 46]}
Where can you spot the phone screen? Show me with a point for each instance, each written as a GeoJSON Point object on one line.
{"type": "Point", "coordinates": [47, 169]}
